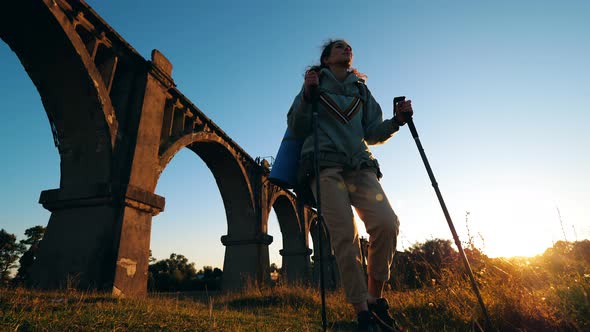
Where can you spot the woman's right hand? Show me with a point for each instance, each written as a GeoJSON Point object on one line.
{"type": "Point", "coordinates": [403, 112]}
{"type": "Point", "coordinates": [311, 79]}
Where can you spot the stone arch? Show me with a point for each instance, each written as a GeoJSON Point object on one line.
{"type": "Point", "coordinates": [214, 152]}
{"type": "Point", "coordinates": [286, 210]}
{"type": "Point", "coordinates": [245, 260]}
{"type": "Point", "coordinates": [295, 251]}
{"type": "Point", "coordinates": [74, 96]}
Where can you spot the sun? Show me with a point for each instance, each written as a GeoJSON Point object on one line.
{"type": "Point", "coordinates": [520, 223]}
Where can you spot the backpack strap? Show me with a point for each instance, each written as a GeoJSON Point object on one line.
{"type": "Point", "coordinates": [364, 92]}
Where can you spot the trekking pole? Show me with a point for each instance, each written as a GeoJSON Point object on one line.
{"type": "Point", "coordinates": [314, 94]}
{"type": "Point", "coordinates": [414, 132]}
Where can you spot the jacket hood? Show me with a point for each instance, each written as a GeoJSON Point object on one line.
{"type": "Point", "coordinates": [351, 78]}
{"type": "Point", "coordinates": [329, 83]}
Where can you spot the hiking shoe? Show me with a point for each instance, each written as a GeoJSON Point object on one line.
{"type": "Point", "coordinates": [366, 323]}
{"type": "Point", "coordinates": [380, 313]}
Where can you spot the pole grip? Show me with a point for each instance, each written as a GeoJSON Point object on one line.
{"type": "Point", "coordinates": [407, 117]}
{"type": "Point", "coordinates": [396, 101]}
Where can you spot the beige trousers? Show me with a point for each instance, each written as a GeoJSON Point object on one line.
{"type": "Point", "coordinates": [340, 190]}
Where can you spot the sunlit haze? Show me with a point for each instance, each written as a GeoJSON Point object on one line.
{"type": "Point", "coordinates": [500, 90]}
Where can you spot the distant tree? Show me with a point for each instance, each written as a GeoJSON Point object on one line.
{"type": "Point", "coordinates": [208, 278]}
{"type": "Point", "coordinates": [177, 274]}
{"type": "Point", "coordinates": [422, 264]}
{"type": "Point", "coordinates": [274, 268]}
{"type": "Point", "coordinates": [581, 251]}
{"type": "Point", "coordinates": [206, 272]}
{"type": "Point", "coordinates": [567, 257]}
{"type": "Point", "coordinates": [437, 253]}
{"type": "Point", "coordinates": [557, 258]}
{"type": "Point", "coordinates": [10, 250]}
{"type": "Point", "coordinates": [560, 248]}
{"type": "Point", "coordinates": [172, 274]}
{"type": "Point", "coordinates": [34, 236]}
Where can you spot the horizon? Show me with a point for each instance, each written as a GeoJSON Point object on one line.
{"type": "Point", "coordinates": [464, 244]}
{"type": "Point", "coordinates": [500, 99]}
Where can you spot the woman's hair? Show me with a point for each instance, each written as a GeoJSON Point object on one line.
{"type": "Point", "coordinates": [326, 50]}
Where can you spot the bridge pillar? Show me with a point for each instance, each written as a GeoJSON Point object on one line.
{"type": "Point", "coordinates": [98, 235]}
{"type": "Point", "coordinates": [140, 202]}
{"type": "Point", "coordinates": [295, 264]}
{"type": "Point", "coordinates": [131, 273]}
{"type": "Point", "coordinates": [246, 261]}
{"type": "Point", "coordinates": [82, 245]}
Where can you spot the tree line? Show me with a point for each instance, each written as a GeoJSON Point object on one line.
{"type": "Point", "coordinates": [435, 261]}
{"type": "Point", "coordinates": [172, 274]}
{"type": "Point", "coordinates": [24, 251]}
{"type": "Point", "coordinates": [177, 274]}
{"type": "Point", "coordinates": [423, 264]}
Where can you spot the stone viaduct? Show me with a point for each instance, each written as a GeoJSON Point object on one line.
{"type": "Point", "coordinates": [117, 121]}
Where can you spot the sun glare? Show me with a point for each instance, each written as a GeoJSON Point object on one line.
{"type": "Point", "coordinates": [504, 223]}
{"type": "Point", "coordinates": [517, 222]}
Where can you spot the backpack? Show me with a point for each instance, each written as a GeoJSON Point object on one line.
{"type": "Point", "coordinates": [285, 168]}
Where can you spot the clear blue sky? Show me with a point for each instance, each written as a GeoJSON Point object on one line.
{"type": "Point", "coordinates": [500, 91]}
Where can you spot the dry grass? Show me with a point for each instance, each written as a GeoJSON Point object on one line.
{"type": "Point", "coordinates": [518, 297]}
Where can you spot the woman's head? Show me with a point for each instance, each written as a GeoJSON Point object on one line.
{"type": "Point", "coordinates": [333, 49]}
{"type": "Point", "coordinates": [337, 52]}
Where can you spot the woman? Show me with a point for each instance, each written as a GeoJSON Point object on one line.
{"type": "Point", "coordinates": [349, 120]}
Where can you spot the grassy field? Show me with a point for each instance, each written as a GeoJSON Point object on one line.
{"type": "Point", "coordinates": [523, 301]}
{"type": "Point", "coordinates": [549, 292]}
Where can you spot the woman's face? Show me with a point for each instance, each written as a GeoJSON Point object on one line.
{"type": "Point", "coordinates": [340, 54]}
